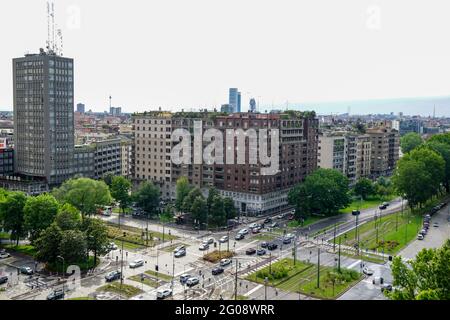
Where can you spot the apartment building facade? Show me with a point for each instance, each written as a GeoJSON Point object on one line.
{"type": "Point", "coordinates": [385, 150]}
{"type": "Point", "coordinates": [253, 192]}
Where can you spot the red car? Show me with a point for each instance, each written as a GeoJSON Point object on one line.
{"type": "Point", "coordinates": [291, 217]}
{"type": "Point", "coordinates": [255, 230]}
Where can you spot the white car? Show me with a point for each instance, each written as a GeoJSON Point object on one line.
{"type": "Point", "coordinates": [420, 236]}
{"type": "Point", "coordinates": [113, 246]}
{"type": "Point", "coordinates": [4, 255]}
{"type": "Point", "coordinates": [243, 231]}
{"type": "Point", "coordinates": [225, 262]}
{"type": "Point", "coordinates": [289, 236]}
{"type": "Point", "coordinates": [203, 247]}
{"type": "Point", "coordinates": [179, 248]}
{"type": "Point", "coordinates": [137, 263]}
{"type": "Point", "coordinates": [162, 294]}
{"type": "Point", "coordinates": [223, 239]}
{"type": "Point", "coordinates": [192, 281]}
{"type": "Point", "coordinates": [253, 225]}
{"type": "Point", "coordinates": [367, 271]}
{"type": "Point", "coordinates": [210, 240]}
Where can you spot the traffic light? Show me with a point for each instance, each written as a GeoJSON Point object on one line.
{"type": "Point", "coordinates": [390, 258]}
{"type": "Point", "coordinates": [157, 268]}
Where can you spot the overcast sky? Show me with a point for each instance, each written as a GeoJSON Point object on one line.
{"type": "Point", "coordinates": [187, 53]}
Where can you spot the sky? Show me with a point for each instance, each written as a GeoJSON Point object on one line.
{"type": "Point", "coordinates": [186, 53]}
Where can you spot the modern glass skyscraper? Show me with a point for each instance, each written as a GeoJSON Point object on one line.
{"type": "Point", "coordinates": [43, 116]}
{"type": "Point", "coordinates": [234, 99]}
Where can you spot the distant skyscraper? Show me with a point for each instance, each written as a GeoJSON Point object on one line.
{"type": "Point", "coordinates": [43, 116]}
{"type": "Point", "coordinates": [81, 108]}
{"type": "Point", "coordinates": [234, 99]}
{"type": "Point", "coordinates": [252, 105]}
{"type": "Point", "coordinates": [115, 111]}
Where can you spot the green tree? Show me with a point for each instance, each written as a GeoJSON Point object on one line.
{"type": "Point", "coordinates": [324, 191]}
{"type": "Point", "coordinates": [423, 278]}
{"type": "Point", "coordinates": [147, 197]}
{"type": "Point", "coordinates": [217, 215]}
{"type": "Point", "coordinates": [68, 217]}
{"type": "Point", "coordinates": [410, 141]}
{"type": "Point", "coordinates": [212, 193]}
{"type": "Point", "coordinates": [12, 212]}
{"type": "Point", "coordinates": [419, 175]}
{"type": "Point", "coordinates": [189, 199]}
{"type": "Point", "coordinates": [73, 246]}
{"type": "Point", "coordinates": [199, 210]}
{"type": "Point", "coordinates": [120, 191]}
{"type": "Point", "coordinates": [39, 214]}
{"type": "Point", "coordinates": [84, 194]}
{"type": "Point", "coordinates": [96, 237]}
{"type": "Point", "coordinates": [444, 151]}
{"type": "Point", "coordinates": [182, 190]}
{"type": "Point", "coordinates": [364, 188]}
{"type": "Point", "coordinates": [230, 209]}
{"type": "Point", "coordinates": [47, 245]}
{"type": "Point", "coordinates": [108, 179]}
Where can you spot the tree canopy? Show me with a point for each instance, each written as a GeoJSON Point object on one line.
{"type": "Point", "coordinates": [147, 197]}
{"type": "Point", "coordinates": [39, 214]}
{"type": "Point", "coordinates": [325, 191]}
{"type": "Point", "coordinates": [423, 278]}
{"type": "Point", "coordinates": [410, 141]}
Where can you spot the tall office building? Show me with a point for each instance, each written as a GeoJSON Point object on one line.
{"type": "Point", "coordinates": [81, 108]}
{"type": "Point", "coordinates": [43, 116]}
{"type": "Point", "coordinates": [234, 99]}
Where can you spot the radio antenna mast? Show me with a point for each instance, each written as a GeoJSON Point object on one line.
{"type": "Point", "coordinates": [48, 26]}
{"type": "Point", "coordinates": [53, 28]}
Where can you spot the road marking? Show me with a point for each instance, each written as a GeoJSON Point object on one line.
{"type": "Point", "coordinates": [246, 245]}
{"type": "Point", "coordinates": [354, 264]}
{"type": "Point", "coordinates": [253, 290]}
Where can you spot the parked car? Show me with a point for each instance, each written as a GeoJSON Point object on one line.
{"type": "Point", "coordinates": [386, 204]}
{"type": "Point", "coordinates": [136, 263]}
{"type": "Point", "coordinates": [290, 236]}
{"type": "Point", "coordinates": [56, 295]}
{"type": "Point", "coordinates": [4, 255]}
{"type": "Point", "coordinates": [264, 244]}
{"type": "Point", "coordinates": [250, 251]}
{"type": "Point", "coordinates": [162, 294]}
{"type": "Point", "coordinates": [286, 240]}
{"type": "Point", "coordinates": [267, 220]}
{"type": "Point", "coordinates": [210, 240]}
{"type": "Point", "coordinates": [253, 225]}
{"type": "Point", "coordinates": [423, 231]}
{"type": "Point", "coordinates": [280, 216]}
{"type": "Point", "coordinates": [420, 236]}
{"type": "Point", "coordinates": [3, 279]}
{"type": "Point", "coordinates": [272, 246]}
{"type": "Point", "coordinates": [239, 236]}
{"type": "Point", "coordinates": [367, 271]}
{"type": "Point", "coordinates": [382, 207]}
{"type": "Point", "coordinates": [223, 239]}
{"type": "Point", "coordinates": [435, 225]}
{"type": "Point", "coordinates": [203, 247]}
{"type": "Point", "coordinates": [217, 270]}
{"type": "Point", "coordinates": [113, 275]}
{"type": "Point", "coordinates": [26, 270]}
{"type": "Point", "coordinates": [225, 262]}
{"type": "Point", "coordinates": [255, 230]}
{"type": "Point", "coordinates": [180, 253]}
{"type": "Point", "coordinates": [192, 281]}
{"type": "Point", "coordinates": [184, 278]}
{"type": "Point", "coordinates": [260, 252]}
{"type": "Point", "coordinates": [386, 287]}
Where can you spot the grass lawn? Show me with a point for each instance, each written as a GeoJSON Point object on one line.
{"type": "Point", "coordinates": [4, 236]}
{"type": "Point", "coordinates": [307, 282]}
{"type": "Point", "coordinates": [159, 275]}
{"type": "Point", "coordinates": [147, 281]}
{"type": "Point", "coordinates": [241, 297]}
{"type": "Point", "coordinates": [83, 265]}
{"type": "Point", "coordinates": [330, 228]}
{"type": "Point", "coordinates": [216, 256]}
{"type": "Point", "coordinates": [368, 203]}
{"type": "Point", "coordinates": [28, 250]}
{"type": "Point", "coordinates": [136, 236]}
{"type": "Point", "coordinates": [127, 245]}
{"type": "Point", "coordinates": [389, 238]}
{"type": "Point", "coordinates": [282, 270]}
{"type": "Point", "coordinates": [126, 290]}
{"type": "Point", "coordinates": [365, 257]}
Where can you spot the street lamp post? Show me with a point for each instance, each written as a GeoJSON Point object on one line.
{"type": "Point", "coordinates": [339, 255]}
{"type": "Point", "coordinates": [121, 262]}
{"type": "Point", "coordinates": [318, 268]}
{"type": "Point", "coordinates": [236, 280]}
{"type": "Point", "coordinates": [334, 238]}
{"type": "Point", "coordinates": [266, 280]}
{"type": "Point", "coordinates": [64, 273]}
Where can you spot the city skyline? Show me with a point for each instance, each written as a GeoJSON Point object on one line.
{"type": "Point", "coordinates": [186, 65]}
